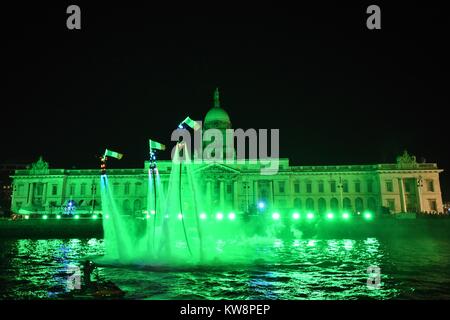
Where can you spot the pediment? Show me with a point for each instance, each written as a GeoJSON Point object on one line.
{"type": "Point", "coordinates": [216, 168]}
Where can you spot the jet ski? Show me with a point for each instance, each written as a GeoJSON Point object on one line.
{"type": "Point", "coordinates": [94, 289]}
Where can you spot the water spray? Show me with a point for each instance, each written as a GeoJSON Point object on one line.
{"type": "Point", "coordinates": [195, 126]}
{"type": "Point", "coordinates": [182, 144]}
{"type": "Point", "coordinates": [153, 170]}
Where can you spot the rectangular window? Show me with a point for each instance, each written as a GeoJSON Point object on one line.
{"type": "Point", "coordinates": [281, 186]}
{"type": "Point", "coordinates": [72, 190]}
{"type": "Point", "coordinates": [333, 186]}
{"type": "Point", "coordinates": [433, 205]}
{"type": "Point", "coordinates": [20, 190]}
{"type": "Point", "coordinates": [18, 205]}
{"type": "Point", "coordinates": [229, 188]}
{"type": "Point", "coordinates": [54, 190]}
{"type": "Point", "coordinates": [370, 186]}
{"type": "Point", "coordinates": [407, 186]}
{"type": "Point", "coordinates": [345, 186]}
{"type": "Point", "coordinates": [308, 187]}
{"type": "Point", "coordinates": [357, 186]}
{"type": "Point", "coordinates": [137, 189]}
{"type": "Point", "coordinates": [391, 204]}
{"type": "Point", "coordinates": [39, 189]}
{"type": "Point", "coordinates": [321, 187]}
{"type": "Point", "coordinates": [83, 189]}
{"type": "Point", "coordinates": [430, 185]}
{"type": "Point", "coordinates": [296, 187]}
{"type": "Point", "coordinates": [126, 190]}
{"type": "Point", "coordinates": [389, 186]}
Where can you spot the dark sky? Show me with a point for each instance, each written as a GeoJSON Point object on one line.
{"type": "Point", "coordinates": [338, 92]}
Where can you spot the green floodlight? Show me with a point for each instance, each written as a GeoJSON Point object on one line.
{"type": "Point", "coordinates": [330, 215]}
{"type": "Point", "coordinates": [231, 216]}
{"type": "Point", "coordinates": [368, 215]}
{"type": "Point", "coordinates": [152, 211]}
{"type": "Point", "coordinates": [296, 215]}
{"type": "Point", "coordinates": [107, 216]}
{"type": "Point", "coordinates": [94, 216]}
{"type": "Point", "coordinates": [310, 216]}
{"type": "Point", "coordinates": [180, 216]}
{"type": "Point", "coordinates": [27, 217]}
{"type": "Point", "coordinates": [45, 217]}
{"type": "Point", "coordinates": [345, 215]}
{"type": "Point", "coordinates": [203, 216]}
{"type": "Point", "coordinates": [275, 216]}
{"type": "Point", "coordinates": [58, 216]}
{"type": "Point", "coordinates": [77, 216]}
{"type": "Point", "coordinates": [146, 217]}
{"type": "Point", "coordinates": [219, 216]}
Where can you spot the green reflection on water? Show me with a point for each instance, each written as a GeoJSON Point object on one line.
{"type": "Point", "coordinates": [276, 269]}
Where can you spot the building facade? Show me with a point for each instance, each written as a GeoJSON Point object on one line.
{"type": "Point", "coordinates": [403, 186]}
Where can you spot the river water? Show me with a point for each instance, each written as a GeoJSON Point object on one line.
{"type": "Point", "coordinates": [413, 268]}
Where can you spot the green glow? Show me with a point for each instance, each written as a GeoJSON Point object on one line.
{"type": "Point", "coordinates": [330, 215]}
{"type": "Point", "coordinates": [27, 217]}
{"type": "Point", "coordinates": [345, 215]}
{"type": "Point", "coordinates": [296, 215]}
{"type": "Point", "coordinates": [94, 216]}
{"type": "Point", "coordinates": [275, 216]}
{"type": "Point", "coordinates": [58, 217]}
{"type": "Point", "coordinates": [203, 216]}
{"type": "Point", "coordinates": [219, 216]}
{"type": "Point", "coordinates": [107, 216]}
{"type": "Point", "coordinates": [45, 217]}
{"type": "Point", "coordinates": [77, 216]}
{"type": "Point", "coordinates": [152, 211]}
{"type": "Point", "coordinates": [310, 215]}
{"type": "Point", "coordinates": [231, 216]}
{"type": "Point", "coordinates": [180, 216]}
{"type": "Point", "coordinates": [147, 217]}
{"type": "Point", "coordinates": [368, 216]}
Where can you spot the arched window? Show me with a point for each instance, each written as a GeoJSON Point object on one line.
{"type": "Point", "coordinates": [322, 205]}
{"type": "Point", "coordinates": [334, 204]}
{"type": "Point", "coordinates": [347, 204]}
{"type": "Point", "coordinates": [137, 205]}
{"type": "Point", "coordinates": [371, 204]}
{"type": "Point", "coordinates": [359, 205]}
{"type": "Point", "coordinates": [297, 204]}
{"type": "Point", "coordinates": [309, 204]}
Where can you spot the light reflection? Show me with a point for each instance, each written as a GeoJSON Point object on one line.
{"type": "Point", "coordinates": [307, 269]}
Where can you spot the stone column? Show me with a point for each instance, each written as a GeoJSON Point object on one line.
{"type": "Point", "coordinates": [402, 195]}
{"type": "Point", "coordinates": [419, 194]}
{"type": "Point", "coordinates": [271, 194]}
{"type": "Point", "coordinates": [222, 195]}
{"type": "Point", "coordinates": [44, 194]}
{"type": "Point", "coordinates": [235, 196]}
{"type": "Point", "coordinates": [255, 191]}
{"type": "Point", "coordinates": [31, 193]}
{"type": "Point", "coordinates": [208, 195]}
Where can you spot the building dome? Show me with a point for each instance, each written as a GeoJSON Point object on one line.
{"type": "Point", "coordinates": [217, 118]}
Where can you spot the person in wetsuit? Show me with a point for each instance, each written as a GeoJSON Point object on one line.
{"type": "Point", "coordinates": [88, 267]}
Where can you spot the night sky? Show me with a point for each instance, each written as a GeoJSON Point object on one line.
{"type": "Point", "coordinates": [338, 92]}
